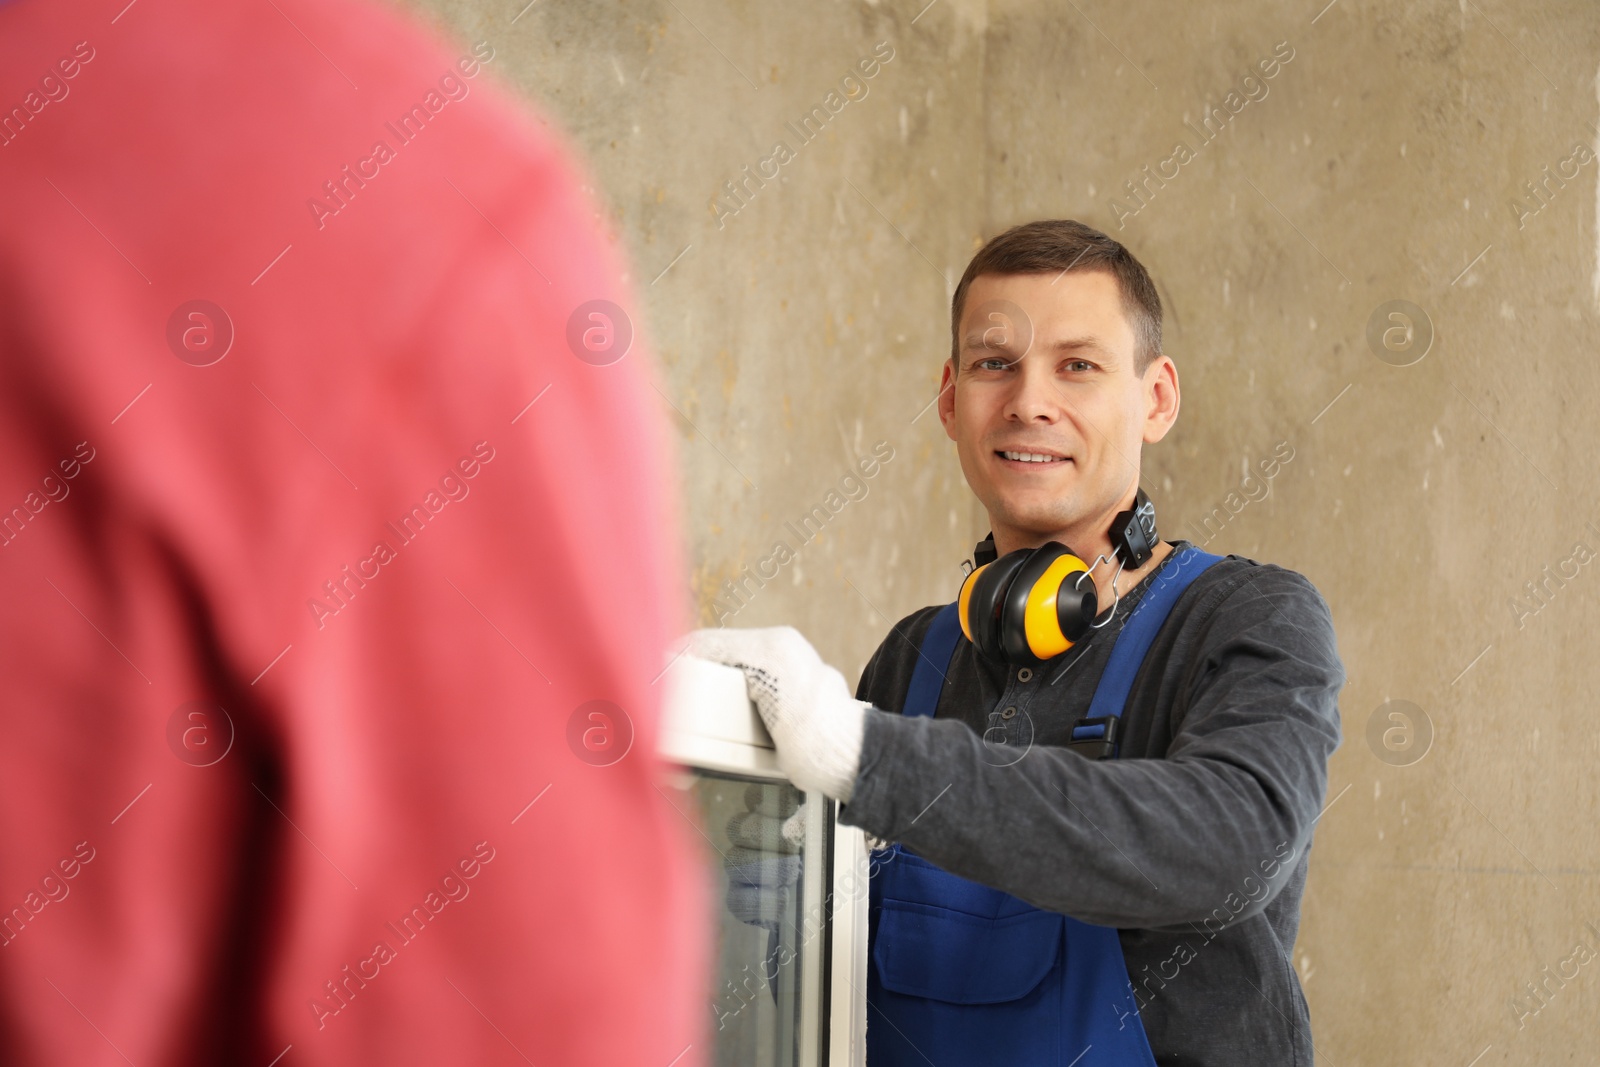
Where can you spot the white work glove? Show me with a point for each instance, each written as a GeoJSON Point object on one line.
{"type": "Point", "coordinates": [763, 864]}
{"type": "Point", "coordinates": [814, 721]}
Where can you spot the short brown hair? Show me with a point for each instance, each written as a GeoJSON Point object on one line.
{"type": "Point", "coordinates": [1051, 245]}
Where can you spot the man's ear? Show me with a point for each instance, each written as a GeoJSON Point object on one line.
{"type": "Point", "coordinates": [1162, 398]}
{"type": "Point", "coordinates": [947, 398]}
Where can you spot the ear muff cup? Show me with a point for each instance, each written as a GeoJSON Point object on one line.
{"type": "Point", "coordinates": [988, 585]}
{"type": "Point", "coordinates": [1029, 606]}
{"type": "Point", "coordinates": [963, 599]}
{"type": "Point", "coordinates": [1013, 606]}
{"type": "Point", "coordinates": [1033, 626]}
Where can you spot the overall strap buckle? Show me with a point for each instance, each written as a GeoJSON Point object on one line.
{"type": "Point", "coordinates": [1096, 738]}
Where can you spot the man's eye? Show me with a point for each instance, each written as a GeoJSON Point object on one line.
{"type": "Point", "coordinates": [1080, 363]}
{"type": "Point", "coordinates": [992, 363]}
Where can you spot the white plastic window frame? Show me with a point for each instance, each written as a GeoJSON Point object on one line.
{"type": "Point", "coordinates": [708, 723]}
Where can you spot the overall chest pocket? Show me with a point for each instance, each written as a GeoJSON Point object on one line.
{"type": "Point", "coordinates": [946, 938]}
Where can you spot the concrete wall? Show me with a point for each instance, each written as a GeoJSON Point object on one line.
{"type": "Point", "coordinates": [1383, 160]}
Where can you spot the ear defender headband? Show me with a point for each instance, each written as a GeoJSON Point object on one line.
{"type": "Point", "coordinates": [1035, 603]}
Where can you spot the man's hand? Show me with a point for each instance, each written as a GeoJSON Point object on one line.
{"type": "Point", "coordinates": [814, 721]}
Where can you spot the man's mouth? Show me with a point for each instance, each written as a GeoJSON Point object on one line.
{"type": "Point", "coordinates": [1040, 458]}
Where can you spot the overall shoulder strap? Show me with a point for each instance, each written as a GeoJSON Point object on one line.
{"type": "Point", "coordinates": [933, 662]}
{"type": "Point", "coordinates": [1137, 634]}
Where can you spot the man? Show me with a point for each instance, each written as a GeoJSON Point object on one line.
{"type": "Point", "coordinates": [334, 557]}
{"type": "Point", "coordinates": [1189, 836]}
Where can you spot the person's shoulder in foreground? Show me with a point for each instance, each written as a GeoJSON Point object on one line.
{"type": "Point", "coordinates": [289, 281]}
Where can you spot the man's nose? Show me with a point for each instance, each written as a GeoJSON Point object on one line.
{"type": "Point", "coordinates": [1035, 395]}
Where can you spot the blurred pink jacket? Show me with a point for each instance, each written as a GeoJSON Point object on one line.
{"type": "Point", "coordinates": [299, 643]}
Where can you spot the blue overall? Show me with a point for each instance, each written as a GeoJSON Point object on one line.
{"type": "Point", "coordinates": [964, 974]}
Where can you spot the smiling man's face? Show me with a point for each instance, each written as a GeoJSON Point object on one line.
{"type": "Point", "coordinates": [1046, 412]}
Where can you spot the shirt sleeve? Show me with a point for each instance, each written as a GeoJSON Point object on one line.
{"type": "Point", "coordinates": [1143, 843]}
{"type": "Point", "coordinates": [864, 686]}
{"type": "Point", "coordinates": [880, 674]}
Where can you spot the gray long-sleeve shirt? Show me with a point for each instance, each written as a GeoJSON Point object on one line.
{"type": "Point", "coordinates": [1193, 843]}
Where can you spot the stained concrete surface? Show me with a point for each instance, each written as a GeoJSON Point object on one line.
{"type": "Point", "coordinates": [1443, 507]}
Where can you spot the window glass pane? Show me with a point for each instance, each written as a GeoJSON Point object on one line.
{"type": "Point", "coordinates": [761, 921]}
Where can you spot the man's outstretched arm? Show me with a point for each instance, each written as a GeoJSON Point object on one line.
{"type": "Point", "coordinates": [1136, 842]}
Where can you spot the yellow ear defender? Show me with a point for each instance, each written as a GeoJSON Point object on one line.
{"type": "Point", "coordinates": [1030, 605]}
